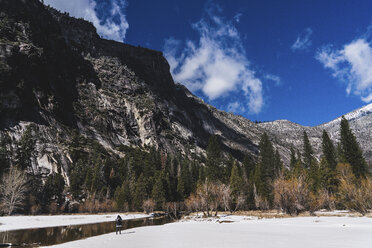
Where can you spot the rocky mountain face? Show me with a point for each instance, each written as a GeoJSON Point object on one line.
{"type": "Point", "coordinates": [360, 121]}
{"type": "Point", "coordinates": [59, 78]}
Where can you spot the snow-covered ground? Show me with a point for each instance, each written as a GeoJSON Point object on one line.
{"type": "Point", "coordinates": [24, 222]}
{"type": "Point", "coordinates": [243, 231]}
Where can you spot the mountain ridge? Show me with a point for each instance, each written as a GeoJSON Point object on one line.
{"type": "Point", "coordinates": [360, 121]}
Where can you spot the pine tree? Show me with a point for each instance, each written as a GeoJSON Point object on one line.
{"type": "Point", "coordinates": [327, 177]}
{"type": "Point", "coordinates": [265, 170]}
{"type": "Point", "coordinates": [194, 175]}
{"type": "Point", "coordinates": [4, 160]}
{"type": "Point", "coordinates": [329, 152]}
{"type": "Point", "coordinates": [25, 151]}
{"type": "Point", "coordinates": [53, 188]}
{"type": "Point", "coordinates": [122, 197]}
{"type": "Point", "coordinates": [201, 175]}
{"type": "Point", "coordinates": [293, 160]}
{"type": "Point", "coordinates": [236, 182]}
{"type": "Point", "coordinates": [310, 163]}
{"type": "Point", "coordinates": [308, 152]}
{"type": "Point", "coordinates": [248, 180]}
{"type": "Point", "coordinates": [213, 163]}
{"type": "Point", "coordinates": [96, 182]}
{"type": "Point", "coordinates": [158, 192]}
{"type": "Point", "coordinates": [248, 166]}
{"type": "Point", "coordinates": [352, 151]}
{"type": "Point", "coordinates": [227, 168]}
{"type": "Point", "coordinates": [181, 188]}
{"type": "Point", "coordinates": [278, 164]}
{"type": "Point", "coordinates": [140, 193]}
{"type": "Point", "coordinates": [340, 154]}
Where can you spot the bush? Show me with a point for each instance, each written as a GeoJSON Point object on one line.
{"type": "Point", "coordinates": [92, 205]}
{"type": "Point", "coordinates": [53, 208]}
{"type": "Point", "coordinates": [210, 194]}
{"type": "Point", "coordinates": [148, 206]}
{"type": "Point", "coordinates": [356, 197]}
{"type": "Point", "coordinates": [353, 194]}
{"type": "Point", "coordinates": [321, 199]}
{"type": "Point", "coordinates": [291, 195]}
{"type": "Point", "coordinates": [260, 202]}
{"type": "Point", "coordinates": [193, 203]}
{"type": "Point", "coordinates": [12, 190]}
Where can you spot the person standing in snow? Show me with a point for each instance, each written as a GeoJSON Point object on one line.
{"type": "Point", "coordinates": [119, 222]}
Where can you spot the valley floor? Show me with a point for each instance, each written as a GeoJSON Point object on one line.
{"type": "Point", "coordinates": [243, 231]}
{"type": "Point", "coordinates": [9, 223]}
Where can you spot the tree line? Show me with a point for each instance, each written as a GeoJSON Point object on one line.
{"type": "Point", "coordinates": [146, 179]}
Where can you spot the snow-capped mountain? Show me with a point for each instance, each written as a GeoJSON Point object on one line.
{"type": "Point", "coordinates": [291, 133]}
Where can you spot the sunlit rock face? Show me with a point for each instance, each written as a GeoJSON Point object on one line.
{"type": "Point", "coordinates": [360, 121]}
{"type": "Point", "coordinates": [59, 78]}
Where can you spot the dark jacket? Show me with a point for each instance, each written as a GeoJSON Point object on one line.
{"type": "Point", "coordinates": [119, 221]}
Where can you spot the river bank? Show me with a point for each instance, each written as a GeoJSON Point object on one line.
{"type": "Point", "coordinates": [8, 223]}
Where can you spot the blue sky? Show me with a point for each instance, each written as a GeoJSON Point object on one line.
{"type": "Point", "coordinates": [305, 61]}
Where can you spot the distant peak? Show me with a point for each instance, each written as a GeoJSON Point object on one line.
{"type": "Point", "coordinates": [353, 115]}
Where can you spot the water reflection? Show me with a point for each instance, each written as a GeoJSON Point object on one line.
{"type": "Point", "coordinates": [56, 235]}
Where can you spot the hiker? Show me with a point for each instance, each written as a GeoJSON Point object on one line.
{"type": "Point", "coordinates": [118, 224]}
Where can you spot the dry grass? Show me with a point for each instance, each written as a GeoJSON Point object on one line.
{"type": "Point", "coordinates": [269, 214]}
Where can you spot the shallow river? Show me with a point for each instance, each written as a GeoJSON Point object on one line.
{"type": "Point", "coordinates": [61, 234]}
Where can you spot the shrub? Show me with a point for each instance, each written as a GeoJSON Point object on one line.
{"type": "Point", "coordinates": [321, 199]}
{"type": "Point", "coordinates": [356, 197]}
{"type": "Point", "coordinates": [12, 190]}
{"type": "Point", "coordinates": [148, 205]}
{"type": "Point", "coordinates": [210, 194]}
{"type": "Point", "coordinates": [260, 202]}
{"type": "Point", "coordinates": [193, 203]}
{"type": "Point", "coordinates": [230, 201]}
{"type": "Point", "coordinates": [291, 195]}
{"type": "Point", "coordinates": [53, 208]}
{"type": "Point", "coordinates": [92, 205]}
{"type": "Point", "coordinates": [353, 194]}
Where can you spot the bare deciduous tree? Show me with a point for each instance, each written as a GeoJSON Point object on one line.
{"type": "Point", "coordinates": [228, 202]}
{"type": "Point", "coordinates": [259, 201]}
{"type": "Point", "coordinates": [148, 205]}
{"type": "Point", "coordinates": [174, 208]}
{"type": "Point", "coordinates": [193, 203]}
{"type": "Point", "coordinates": [356, 197]}
{"type": "Point", "coordinates": [210, 194]}
{"type": "Point", "coordinates": [12, 190]}
{"type": "Point", "coordinates": [291, 195]}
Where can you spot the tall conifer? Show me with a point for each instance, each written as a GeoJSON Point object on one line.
{"type": "Point", "coordinates": [158, 191]}
{"type": "Point", "coordinates": [213, 163]}
{"type": "Point", "coordinates": [265, 170]}
{"type": "Point", "coordinates": [329, 151]}
{"type": "Point", "coordinates": [308, 151]}
{"type": "Point", "coordinates": [293, 160]}
{"type": "Point", "coordinates": [351, 150]}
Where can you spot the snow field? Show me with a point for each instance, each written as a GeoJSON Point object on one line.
{"type": "Point", "coordinates": [243, 231]}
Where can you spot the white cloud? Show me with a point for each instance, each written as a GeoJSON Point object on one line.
{"type": "Point", "coordinates": [235, 107]}
{"type": "Point", "coordinates": [352, 64]}
{"type": "Point", "coordinates": [217, 64]}
{"type": "Point", "coordinates": [273, 78]}
{"type": "Point", "coordinates": [367, 98]}
{"type": "Point", "coordinates": [303, 41]}
{"type": "Point", "coordinates": [113, 26]}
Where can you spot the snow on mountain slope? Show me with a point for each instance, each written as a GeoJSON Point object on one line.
{"type": "Point", "coordinates": [360, 121]}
